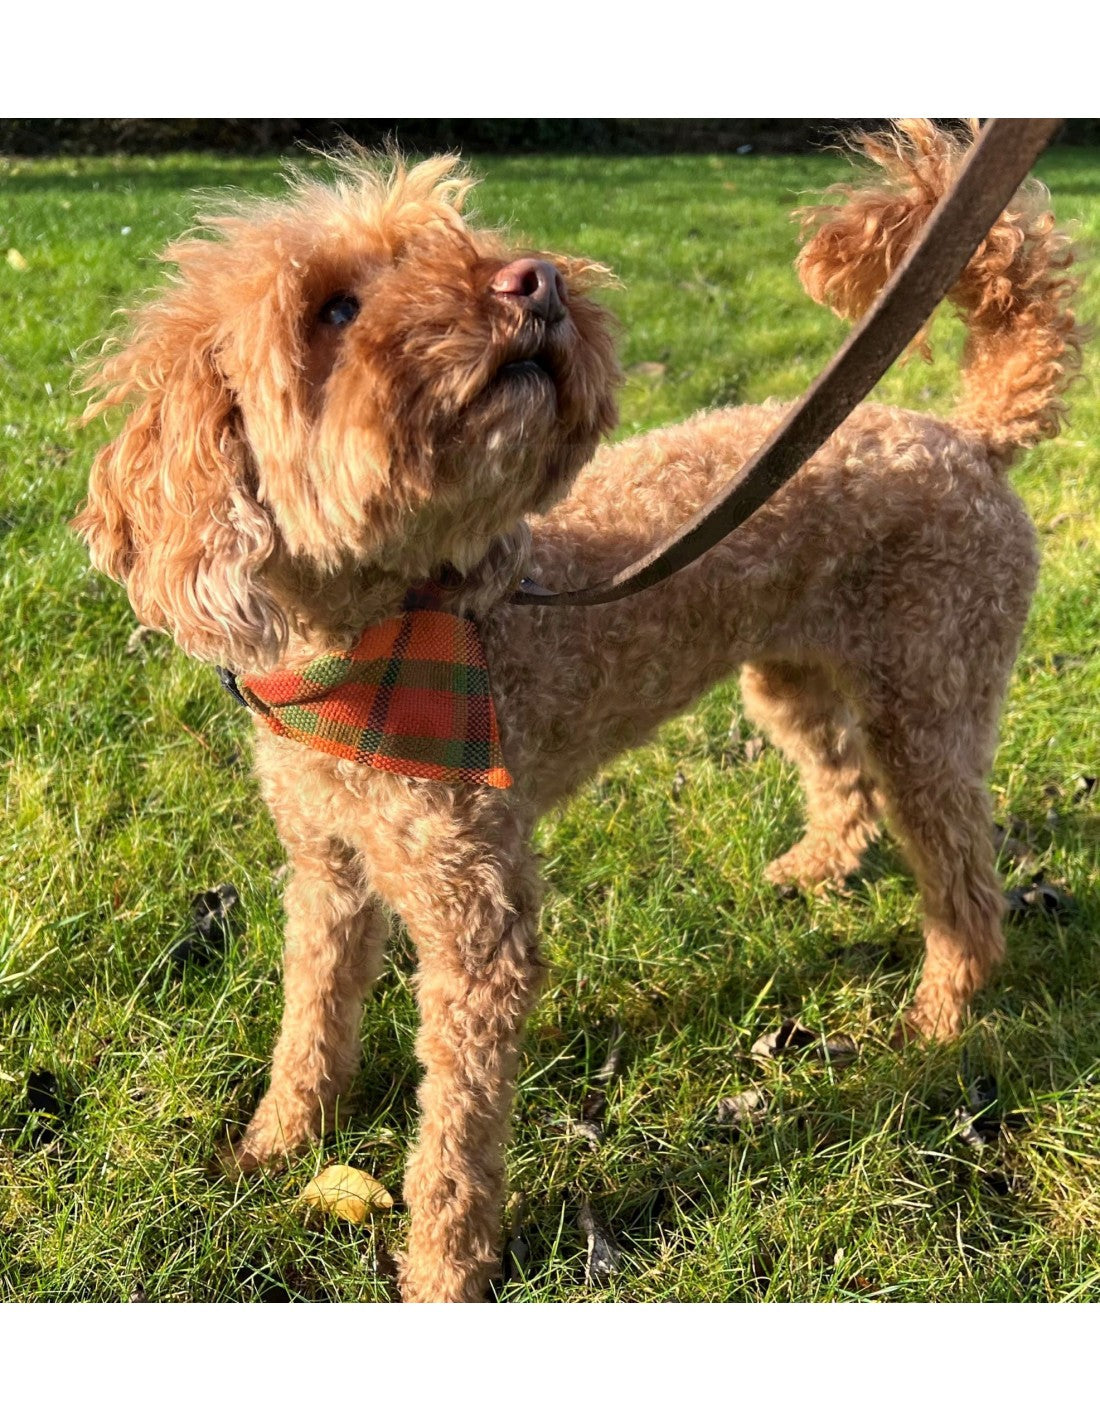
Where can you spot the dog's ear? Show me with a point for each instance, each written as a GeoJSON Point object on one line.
{"type": "Point", "coordinates": [171, 510]}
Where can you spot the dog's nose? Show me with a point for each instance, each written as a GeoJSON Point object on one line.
{"type": "Point", "coordinates": [538, 285]}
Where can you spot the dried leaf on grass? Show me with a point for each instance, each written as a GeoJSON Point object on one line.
{"type": "Point", "coordinates": [980, 1122]}
{"type": "Point", "coordinates": [742, 1109]}
{"type": "Point", "coordinates": [591, 1123]}
{"type": "Point", "coordinates": [44, 1107]}
{"type": "Point", "coordinates": [211, 916]}
{"type": "Point", "coordinates": [614, 1059]}
{"type": "Point", "coordinates": [604, 1256]}
{"type": "Point", "coordinates": [839, 1049]}
{"type": "Point", "coordinates": [16, 260]}
{"type": "Point", "coordinates": [42, 1094]}
{"type": "Point", "coordinates": [344, 1191]}
{"type": "Point", "coordinates": [968, 1130]}
{"type": "Point", "coordinates": [1039, 899]}
{"type": "Point", "coordinates": [791, 1037]}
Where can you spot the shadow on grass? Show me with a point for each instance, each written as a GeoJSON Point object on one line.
{"type": "Point", "coordinates": [654, 1199]}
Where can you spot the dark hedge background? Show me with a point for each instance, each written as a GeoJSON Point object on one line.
{"type": "Point", "coordinates": [32, 137]}
{"type": "Point", "coordinates": [44, 136]}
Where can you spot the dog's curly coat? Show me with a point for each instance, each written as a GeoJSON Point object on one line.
{"type": "Point", "coordinates": [293, 463]}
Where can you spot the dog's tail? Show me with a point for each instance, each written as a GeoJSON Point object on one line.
{"type": "Point", "coordinates": [1023, 343]}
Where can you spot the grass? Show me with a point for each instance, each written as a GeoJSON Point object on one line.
{"type": "Point", "coordinates": [126, 790]}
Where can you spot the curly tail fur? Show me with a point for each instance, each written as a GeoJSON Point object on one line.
{"type": "Point", "coordinates": [1023, 344]}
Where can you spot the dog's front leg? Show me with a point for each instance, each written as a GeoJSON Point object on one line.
{"type": "Point", "coordinates": [468, 891]}
{"type": "Point", "coordinates": [335, 938]}
{"type": "Point", "coordinates": [472, 1015]}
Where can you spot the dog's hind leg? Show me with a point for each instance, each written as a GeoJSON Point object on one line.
{"type": "Point", "coordinates": [335, 938]}
{"type": "Point", "coordinates": [932, 770]}
{"type": "Point", "coordinates": [805, 717]}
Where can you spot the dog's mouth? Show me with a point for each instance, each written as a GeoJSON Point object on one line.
{"type": "Point", "coordinates": [530, 368]}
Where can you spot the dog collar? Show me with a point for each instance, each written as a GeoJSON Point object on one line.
{"type": "Point", "coordinates": [411, 697]}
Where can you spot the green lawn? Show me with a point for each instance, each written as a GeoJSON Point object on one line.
{"type": "Point", "coordinates": [127, 790]}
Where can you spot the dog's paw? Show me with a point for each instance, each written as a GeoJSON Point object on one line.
{"type": "Point", "coordinates": [927, 1022]}
{"type": "Point", "coordinates": [234, 1159]}
{"type": "Point", "coordinates": [809, 868]}
{"type": "Point", "coordinates": [277, 1132]}
{"type": "Point", "coordinates": [904, 1035]}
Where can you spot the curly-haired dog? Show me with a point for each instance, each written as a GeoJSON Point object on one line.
{"type": "Point", "coordinates": [351, 391]}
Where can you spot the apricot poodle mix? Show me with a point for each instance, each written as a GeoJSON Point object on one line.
{"type": "Point", "coordinates": [350, 391]}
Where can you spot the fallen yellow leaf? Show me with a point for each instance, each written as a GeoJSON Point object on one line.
{"type": "Point", "coordinates": [17, 260]}
{"type": "Point", "coordinates": [342, 1190]}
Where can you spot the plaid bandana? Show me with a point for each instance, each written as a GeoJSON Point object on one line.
{"type": "Point", "coordinates": [411, 697]}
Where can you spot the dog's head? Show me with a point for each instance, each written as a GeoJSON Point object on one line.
{"type": "Point", "coordinates": [351, 376]}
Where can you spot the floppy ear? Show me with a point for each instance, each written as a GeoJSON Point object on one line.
{"type": "Point", "coordinates": [171, 511]}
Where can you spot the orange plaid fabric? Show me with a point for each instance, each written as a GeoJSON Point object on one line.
{"type": "Point", "coordinates": [411, 697]}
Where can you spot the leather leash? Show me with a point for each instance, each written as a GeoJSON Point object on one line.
{"type": "Point", "coordinates": [994, 168]}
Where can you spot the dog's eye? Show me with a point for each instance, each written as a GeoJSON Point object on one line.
{"type": "Point", "coordinates": [339, 310]}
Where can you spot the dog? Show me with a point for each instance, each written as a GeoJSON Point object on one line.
{"type": "Point", "coordinates": [352, 392]}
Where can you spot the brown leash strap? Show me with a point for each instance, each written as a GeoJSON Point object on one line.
{"type": "Point", "coordinates": [989, 176]}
